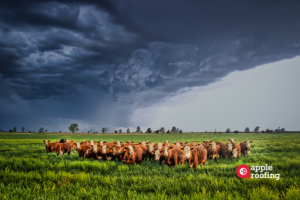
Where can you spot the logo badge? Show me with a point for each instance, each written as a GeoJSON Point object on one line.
{"type": "Point", "coordinates": [243, 171]}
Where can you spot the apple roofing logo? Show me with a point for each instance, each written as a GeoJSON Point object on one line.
{"type": "Point", "coordinates": [243, 171]}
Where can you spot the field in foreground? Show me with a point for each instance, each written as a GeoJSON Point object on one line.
{"type": "Point", "coordinates": [28, 172]}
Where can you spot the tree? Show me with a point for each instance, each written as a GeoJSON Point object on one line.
{"type": "Point", "coordinates": [120, 131]}
{"type": "Point", "coordinates": [59, 131]}
{"type": "Point", "coordinates": [104, 130]}
{"type": "Point", "coordinates": [26, 129]}
{"type": "Point", "coordinates": [168, 131]}
{"type": "Point", "coordinates": [138, 130]}
{"type": "Point", "coordinates": [173, 130]}
{"type": "Point", "coordinates": [15, 129]}
{"type": "Point", "coordinates": [283, 129]}
{"type": "Point", "coordinates": [162, 130]}
{"type": "Point", "coordinates": [149, 130]}
{"type": "Point", "coordinates": [256, 129]}
{"type": "Point", "coordinates": [180, 131]}
{"type": "Point", "coordinates": [10, 131]}
{"type": "Point", "coordinates": [157, 131]}
{"type": "Point", "coordinates": [116, 131]}
{"type": "Point", "coordinates": [128, 130]}
{"type": "Point", "coordinates": [23, 129]}
{"type": "Point", "coordinates": [73, 128]}
{"type": "Point", "coordinates": [46, 131]}
{"type": "Point", "coordinates": [228, 130]}
{"type": "Point", "coordinates": [247, 130]}
{"type": "Point", "coordinates": [41, 130]}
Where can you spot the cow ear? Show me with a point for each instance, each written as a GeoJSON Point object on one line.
{"type": "Point", "coordinates": [250, 141]}
{"type": "Point", "coordinates": [203, 141]}
{"type": "Point", "coordinates": [228, 139]}
{"type": "Point", "coordinates": [192, 148]}
{"type": "Point", "coordinates": [44, 141]}
{"type": "Point", "coordinates": [210, 141]}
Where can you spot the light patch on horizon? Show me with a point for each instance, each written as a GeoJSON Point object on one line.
{"type": "Point", "coordinates": [264, 96]}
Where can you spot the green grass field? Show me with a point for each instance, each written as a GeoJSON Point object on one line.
{"type": "Point", "coordinates": [28, 172]}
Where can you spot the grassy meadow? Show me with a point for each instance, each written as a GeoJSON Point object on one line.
{"type": "Point", "coordinates": [28, 172]}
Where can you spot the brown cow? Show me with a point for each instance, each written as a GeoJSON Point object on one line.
{"type": "Point", "coordinates": [236, 150]}
{"type": "Point", "coordinates": [198, 156]}
{"type": "Point", "coordinates": [245, 148]}
{"type": "Point", "coordinates": [206, 143]}
{"type": "Point", "coordinates": [225, 150]}
{"type": "Point", "coordinates": [81, 149]}
{"type": "Point", "coordinates": [50, 147]}
{"type": "Point", "coordinates": [63, 148]}
{"type": "Point", "coordinates": [173, 156]}
{"type": "Point", "coordinates": [159, 156]}
{"type": "Point", "coordinates": [133, 154]}
{"type": "Point", "coordinates": [92, 153]}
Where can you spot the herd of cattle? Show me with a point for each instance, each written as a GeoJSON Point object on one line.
{"type": "Point", "coordinates": [170, 154]}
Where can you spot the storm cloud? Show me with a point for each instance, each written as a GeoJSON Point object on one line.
{"type": "Point", "coordinates": [96, 62]}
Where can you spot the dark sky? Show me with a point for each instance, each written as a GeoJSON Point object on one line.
{"type": "Point", "coordinates": [96, 62]}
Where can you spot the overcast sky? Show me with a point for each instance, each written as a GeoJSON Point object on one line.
{"type": "Point", "coordinates": [198, 65]}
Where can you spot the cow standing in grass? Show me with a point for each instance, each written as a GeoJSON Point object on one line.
{"type": "Point", "coordinates": [173, 156]}
{"type": "Point", "coordinates": [63, 148]}
{"type": "Point", "coordinates": [133, 155]}
{"type": "Point", "coordinates": [50, 147]}
{"type": "Point", "coordinates": [81, 149]}
{"type": "Point", "coordinates": [225, 150]}
{"type": "Point", "coordinates": [196, 156]}
{"type": "Point", "coordinates": [245, 148]}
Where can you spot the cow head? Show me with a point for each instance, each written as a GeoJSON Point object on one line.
{"type": "Point", "coordinates": [231, 140]}
{"type": "Point", "coordinates": [101, 143]}
{"type": "Point", "coordinates": [92, 143]}
{"type": "Point", "coordinates": [104, 149]}
{"type": "Point", "coordinates": [46, 142]}
{"type": "Point", "coordinates": [159, 145]}
{"type": "Point", "coordinates": [177, 144]}
{"type": "Point", "coordinates": [144, 143]}
{"type": "Point", "coordinates": [67, 140]}
{"type": "Point", "coordinates": [234, 153]}
{"type": "Point", "coordinates": [213, 146]}
{"type": "Point", "coordinates": [118, 144]}
{"type": "Point", "coordinates": [187, 152]}
{"type": "Point", "coordinates": [166, 151]}
{"type": "Point", "coordinates": [247, 143]}
{"type": "Point", "coordinates": [95, 150]}
{"type": "Point", "coordinates": [206, 143]}
{"type": "Point", "coordinates": [116, 150]}
{"type": "Point", "coordinates": [157, 155]}
{"type": "Point", "coordinates": [131, 152]}
{"type": "Point", "coordinates": [60, 153]}
{"type": "Point", "coordinates": [150, 148]}
{"type": "Point", "coordinates": [229, 147]}
{"type": "Point", "coordinates": [166, 142]}
{"type": "Point", "coordinates": [77, 145]}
